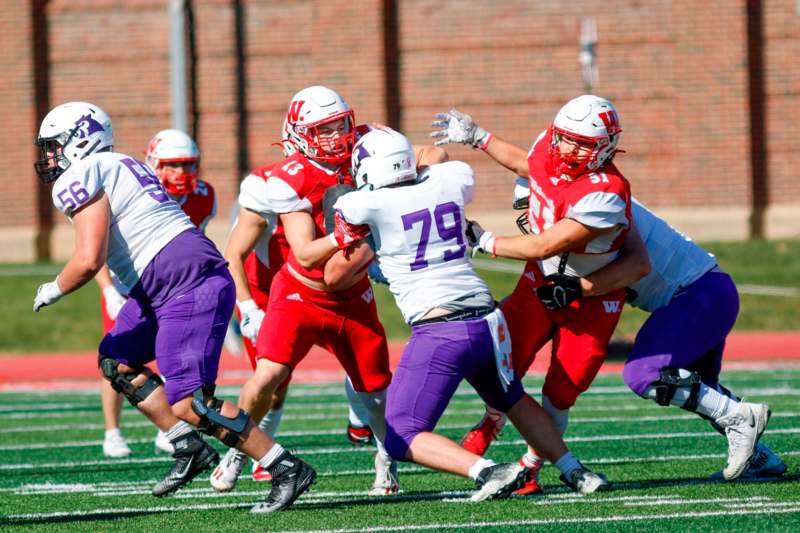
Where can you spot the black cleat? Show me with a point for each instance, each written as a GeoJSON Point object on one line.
{"type": "Point", "coordinates": [499, 481]}
{"type": "Point", "coordinates": [291, 477]}
{"type": "Point", "coordinates": [192, 456]}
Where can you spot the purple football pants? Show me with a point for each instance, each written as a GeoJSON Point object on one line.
{"type": "Point", "coordinates": [687, 333]}
{"type": "Point", "coordinates": [435, 360]}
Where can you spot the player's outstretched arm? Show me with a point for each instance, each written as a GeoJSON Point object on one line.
{"type": "Point", "coordinates": [457, 127]}
{"type": "Point", "coordinates": [630, 266]}
{"type": "Point", "coordinates": [91, 244]}
{"type": "Point", "coordinates": [242, 239]}
{"type": "Point", "coordinates": [563, 236]}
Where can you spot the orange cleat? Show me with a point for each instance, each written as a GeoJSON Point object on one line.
{"type": "Point", "coordinates": [531, 485]}
{"type": "Point", "coordinates": [487, 430]}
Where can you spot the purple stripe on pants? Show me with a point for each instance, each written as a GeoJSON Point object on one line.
{"type": "Point", "coordinates": [687, 333]}
{"type": "Point", "coordinates": [437, 357]}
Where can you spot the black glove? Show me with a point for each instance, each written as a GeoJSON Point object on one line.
{"type": "Point", "coordinates": [559, 290]}
{"type": "Point", "coordinates": [328, 199]}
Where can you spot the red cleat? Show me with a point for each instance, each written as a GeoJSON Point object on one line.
{"type": "Point", "coordinates": [531, 485]}
{"type": "Point", "coordinates": [481, 436]}
{"type": "Point", "coordinates": [260, 474]}
{"type": "Point", "coordinates": [360, 436]}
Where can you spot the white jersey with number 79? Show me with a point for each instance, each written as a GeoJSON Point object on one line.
{"type": "Point", "coordinates": [418, 230]}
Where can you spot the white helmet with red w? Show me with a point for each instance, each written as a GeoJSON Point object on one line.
{"type": "Point", "coordinates": [174, 146]}
{"type": "Point", "coordinates": [309, 111]}
{"type": "Point", "coordinates": [587, 119]}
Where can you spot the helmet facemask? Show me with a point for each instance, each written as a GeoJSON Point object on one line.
{"type": "Point", "coordinates": [178, 179]}
{"type": "Point", "coordinates": [52, 162]}
{"type": "Point", "coordinates": [587, 157]}
{"type": "Point", "coordinates": [327, 147]}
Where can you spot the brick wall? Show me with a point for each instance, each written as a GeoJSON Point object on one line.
{"type": "Point", "coordinates": [677, 71]}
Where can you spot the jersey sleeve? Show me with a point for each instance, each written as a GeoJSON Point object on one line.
{"type": "Point", "coordinates": [600, 209]}
{"type": "Point", "coordinates": [354, 207]}
{"type": "Point", "coordinates": [74, 189]}
{"type": "Point", "coordinates": [466, 177]}
{"type": "Point", "coordinates": [253, 195]}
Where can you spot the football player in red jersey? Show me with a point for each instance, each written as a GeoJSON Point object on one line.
{"type": "Point", "coordinates": [579, 211]}
{"type": "Point", "coordinates": [329, 302]}
{"type": "Point", "coordinates": [174, 157]}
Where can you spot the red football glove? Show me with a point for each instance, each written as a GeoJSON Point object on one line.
{"type": "Point", "coordinates": [346, 234]}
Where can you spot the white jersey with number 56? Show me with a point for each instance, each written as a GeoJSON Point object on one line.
{"type": "Point", "coordinates": [144, 218]}
{"type": "Point", "coordinates": [418, 231]}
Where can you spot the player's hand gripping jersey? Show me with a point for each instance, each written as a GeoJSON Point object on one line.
{"type": "Point", "coordinates": [143, 217]}
{"type": "Point", "coordinates": [422, 244]}
{"type": "Point", "coordinates": [599, 199]}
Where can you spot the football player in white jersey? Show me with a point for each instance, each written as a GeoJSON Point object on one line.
{"type": "Point", "coordinates": [677, 355]}
{"type": "Point", "coordinates": [180, 302]}
{"type": "Point", "coordinates": [417, 223]}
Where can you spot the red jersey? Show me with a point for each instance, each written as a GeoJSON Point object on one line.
{"type": "Point", "coordinates": [601, 199]}
{"type": "Point", "coordinates": [200, 205]}
{"type": "Point", "coordinates": [272, 248]}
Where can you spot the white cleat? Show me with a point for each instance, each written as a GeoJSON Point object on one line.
{"type": "Point", "coordinates": [765, 464]}
{"type": "Point", "coordinates": [385, 476]}
{"type": "Point", "coordinates": [499, 481]}
{"type": "Point", "coordinates": [743, 428]}
{"type": "Point", "coordinates": [585, 481]}
{"type": "Point", "coordinates": [227, 472]}
{"type": "Point", "coordinates": [116, 447]}
{"type": "Point", "coordinates": [162, 443]}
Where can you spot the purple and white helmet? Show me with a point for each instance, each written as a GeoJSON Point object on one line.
{"type": "Point", "coordinates": [383, 157]}
{"type": "Point", "coordinates": [69, 133]}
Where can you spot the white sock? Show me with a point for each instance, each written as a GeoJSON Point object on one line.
{"type": "Point", "coordinates": [479, 465]}
{"type": "Point", "coordinates": [358, 414]}
{"type": "Point", "coordinates": [531, 460]}
{"type": "Point", "coordinates": [375, 405]}
{"type": "Point", "coordinates": [560, 416]}
{"type": "Point", "coordinates": [178, 430]}
{"type": "Point", "coordinates": [714, 404]}
{"type": "Point", "coordinates": [271, 456]}
{"type": "Point", "coordinates": [113, 433]}
{"type": "Point", "coordinates": [271, 421]}
{"type": "Point", "coordinates": [567, 464]}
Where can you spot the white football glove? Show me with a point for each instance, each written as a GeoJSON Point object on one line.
{"type": "Point", "coordinates": [252, 317]}
{"type": "Point", "coordinates": [458, 127]}
{"type": "Point", "coordinates": [114, 301]}
{"type": "Point", "coordinates": [47, 294]}
{"type": "Point", "coordinates": [479, 239]}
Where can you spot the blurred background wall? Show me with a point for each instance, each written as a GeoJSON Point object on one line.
{"type": "Point", "coordinates": [707, 92]}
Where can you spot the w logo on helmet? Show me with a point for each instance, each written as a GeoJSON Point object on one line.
{"type": "Point", "coordinates": [611, 121]}
{"type": "Point", "coordinates": [294, 110]}
{"type": "Point", "coordinates": [86, 125]}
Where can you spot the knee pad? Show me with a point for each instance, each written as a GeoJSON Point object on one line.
{"type": "Point", "coordinates": [123, 382]}
{"type": "Point", "coordinates": [212, 419]}
{"type": "Point", "coordinates": [670, 381]}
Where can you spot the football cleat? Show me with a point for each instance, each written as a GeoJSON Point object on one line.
{"type": "Point", "coordinates": [499, 481]}
{"type": "Point", "coordinates": [291, 477]}
{"type": "Point", "coordinates": [360, 435]}
{"type": "Point", "coordinates": [162, 443]}
{"type": "Point", "coordinates": [743, 428]}
{"type": "Point", "coordinates": [227, 472]}
{"type": "Point", "coordinates": [260, 473]}
{"type": "Point", "coordinates": [192, 456]}
{"type": "Point", "coordinates": [584, 481]}
{"type": "Point", "coordinates": [531, 485]}
{"type": "Point", "coordinates": [115, 446]}
{"type": "Point", "coordinates": [385, 476]}
{"type": "Point", "coordinates": [764, 464]}
{"type": "Point", "coordinates": [480, 437]}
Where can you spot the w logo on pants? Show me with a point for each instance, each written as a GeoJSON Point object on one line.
{"type": "Point", "coordinates": [368, 295]}
{"type": "Point", "coordinates": [611, 307]}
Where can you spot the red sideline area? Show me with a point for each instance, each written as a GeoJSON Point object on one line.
{"type": "Point", "coordinates": [74, 370]}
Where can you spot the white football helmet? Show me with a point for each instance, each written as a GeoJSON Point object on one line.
{"type": "Point", "coordinates": [522, 193]}
{"type": "Point", "coordinates": [174, 146]}
{"type": "Point", "coordinates": [314, 107]}
{"type": "Point", "coordinates": [69, 133]}
{"type": "Point", "coordinates": [383, 157]}
{"type": "Point", "coordinates": [587, 119]}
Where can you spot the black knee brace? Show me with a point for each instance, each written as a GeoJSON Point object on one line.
{"type": "Point", "coordinates": [670, 381]}
{"type": "Point", "coordinates": [123, 383]}
{"type": "Point", "coordinates": [211, 417]}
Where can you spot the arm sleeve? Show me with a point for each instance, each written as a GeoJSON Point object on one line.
{"type": "Point", "coordinates": [599, 210]}
{"type": "Point", "coordinates": [75, 189]}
